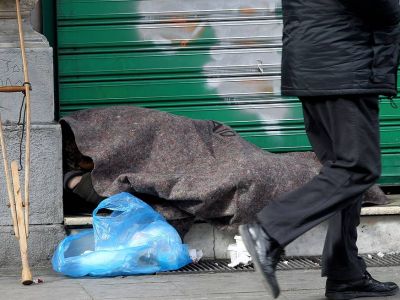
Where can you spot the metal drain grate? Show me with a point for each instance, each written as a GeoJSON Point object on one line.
{"type": "Point", "coordinates": [211, 266]}
{"type": "Point", "coordinates": [385, 261]}
{"type": "Point", "coordinates": [287, 263]}
{"type": "Point", "coordinates": [299, 263]}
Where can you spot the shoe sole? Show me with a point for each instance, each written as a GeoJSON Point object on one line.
{"type": "Point", "coordinates": [270, 282]}
{"type": "Point", "coordinates": [353, 295]}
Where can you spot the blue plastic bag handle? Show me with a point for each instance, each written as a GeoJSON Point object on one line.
{"type": "Point", "coordinates": [122, 202]}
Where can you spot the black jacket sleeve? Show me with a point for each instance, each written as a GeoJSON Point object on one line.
{"type": "Point", "coordinates": [376, 13]}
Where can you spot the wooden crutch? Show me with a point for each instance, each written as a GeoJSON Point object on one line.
{"type": "Point", "coordinates": [23, 240]}
{"type": "Point", "coordinates": [20, 208]}
{"type": "Point", "coordinates": [10, 190]}
{"type": "Point", "coordinates": [17, 209]}
{"type": "Point", "coordinates": [27, 93]}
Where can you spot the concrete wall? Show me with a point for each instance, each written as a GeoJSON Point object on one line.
{"type": "Point", "coordinates": [375, 234]}
{"type": "Point", "coordinates": [46, 210]}
{"type": "Point", "coordinates": [36, 16]}
{"type": "Point", "coordinates": [41, 244]}
{"type": "Point", "coordinates": [40, 65]}
{"type": "Point", "coordinates": [46, 174]}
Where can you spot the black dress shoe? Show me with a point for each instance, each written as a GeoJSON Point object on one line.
{"type": "Point", "coordinates": [365, 287]}
{"type": "Point", "coordinates": [265, 253]}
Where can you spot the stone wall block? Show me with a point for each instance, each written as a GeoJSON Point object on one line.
{"type": "Point", "coordinates": [41, 245]}
{"type": "Point", "coordinates": [46, 174]}
{"type": "Point", "coordinates": [40, 66]}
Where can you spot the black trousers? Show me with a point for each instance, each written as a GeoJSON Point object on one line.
{"type": "Point", "coordinates": [344, 134]}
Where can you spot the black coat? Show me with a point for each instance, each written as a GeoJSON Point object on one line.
{"type": "Point", "coordinates": [336, 47]}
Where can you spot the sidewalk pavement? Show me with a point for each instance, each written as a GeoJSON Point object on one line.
{"type": "Point", "coordinates": [295, 285]}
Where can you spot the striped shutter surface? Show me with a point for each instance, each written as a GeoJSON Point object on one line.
{"type": "Point", "coordinates": [204, 59]}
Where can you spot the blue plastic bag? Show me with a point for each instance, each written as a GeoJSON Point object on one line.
{"type": "Point", "coordinates": [133, 239]}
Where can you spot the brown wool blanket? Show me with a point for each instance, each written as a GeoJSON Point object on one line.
{"type": "Point", "coordinates": [198, 168]}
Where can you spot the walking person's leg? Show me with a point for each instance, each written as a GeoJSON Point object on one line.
{"type": "Point", "coordinates": [346, 271]}
{"type": "Point", "coordinates": [351, 124]}
{"type": "Point", "coordinates": [340, 257]}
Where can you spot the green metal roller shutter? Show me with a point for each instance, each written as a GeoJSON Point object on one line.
{"type": "Point", "coordinates": [200, 58]}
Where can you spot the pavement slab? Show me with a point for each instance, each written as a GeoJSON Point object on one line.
{"type": "Point", "coordinates": [295, 285]}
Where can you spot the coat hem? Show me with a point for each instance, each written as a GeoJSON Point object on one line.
{"type": "Point", "coordinates": [295, 92]}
